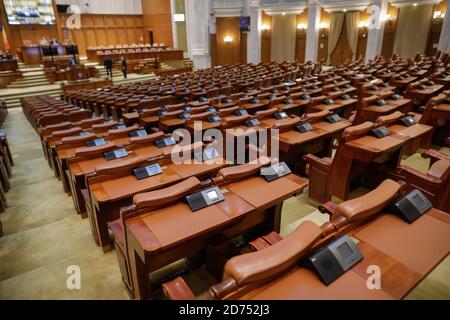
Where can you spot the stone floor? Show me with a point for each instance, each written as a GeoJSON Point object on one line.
{"type": "Point", "coordinates": [44, 235]}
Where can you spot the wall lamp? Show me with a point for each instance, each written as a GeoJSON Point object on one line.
{"type": "Point", "coordinates": [438, 15]}
{"type": "Point", "coordinates": [228, 39]}
{"type": "Point", "coordinates": [386, 17]}
{"type": "Point", "coordinates": [301, 26]}
{"type": "Point", "coordinates": [363, 24]}
{"type": "Point", "coordinates": [265, 27]}
{"type": "Point", "coordinates": [323, 25]}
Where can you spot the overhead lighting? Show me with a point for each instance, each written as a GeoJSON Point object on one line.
{"type": "Point", "coordinates": [438, 15]}
{"type": "Point", "coordinates": [345, 10]}
{"type": "Point", "coordinates": [284, 13]}
{"type": "Point", "coordinates": [415, 4]}
{"type": "Point", "coordinates": [228, 39]}
{"type": "Point", "coordinates": [363, 24]}
{"type": "Point", "coordinates": [386, 17]}
{"type": "Point", "coordinates": [178, 17]}
{"type": "Point", "coordinates": [301, 26]}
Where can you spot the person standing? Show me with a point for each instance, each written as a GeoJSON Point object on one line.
{"type": "Point", "coordinates": [108, 65]}
{"type": "Point", "coordinates": [124, 67]}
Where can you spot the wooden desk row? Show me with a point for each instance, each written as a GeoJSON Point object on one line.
{"type": "Point", "coordinates": [152, 224]}
{"type": "Point", "coordinates": [6, 162]}
{"type": "Point", "coordinates": [405, 253]}
{"type": "Point", "coordinates": [92, 52]}
{"type": "Point", "coordinates": [8, 65]}
{"type": "Point", "coordinates": [162, 55]}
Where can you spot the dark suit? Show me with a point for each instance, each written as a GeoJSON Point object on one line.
{"type": "Point", "coordinates": [108, 65]}
{"type": "Point", "coordinates": [124, 68]}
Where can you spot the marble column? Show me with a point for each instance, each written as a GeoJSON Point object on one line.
{"type": "Point", "coordinates": [312, 33]}
{"type": "Point", "coordinates": [197, 25]}
{"type": "Point", "coordinates": [444, 40]}
{"type": "Point", "coordinates": [377, 11]}
{"type": "Point", "coordinates": [254, 36]}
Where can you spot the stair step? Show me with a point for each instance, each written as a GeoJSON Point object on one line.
{"type": "Point", "coordinates": [31, 81]}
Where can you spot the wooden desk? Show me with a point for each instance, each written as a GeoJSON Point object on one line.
{"type": "Point", "coordinates": [296, 108]}
{"type": "Point", "coordinates": [162, 55]}
{"type": "Point", "coordinates": [130, 118]}
{"type": "Point", "coordinates": [9, 65]}
{"type": "Point", "coordinates": [423, 95]}
{"type": "Point", "coordinates": [406, 254]}
{"type": "Point", "coordinates": [444, 81]}
{"type": "Point", "coordinates": [372, 158]}
{"type": "Point", "coordinates": [32, 55]}
{"type": "Point", "coordinates": [109, 196]}
{"type": "Point", "coordinates": [339, 106]}
{"type": "Point", "coordinates": [401, 84]}
{"type": "Point", "coordinates": [160, 237]}
{"type": "Point", "coordinates": [85, 84]}
{"type": "Point", "coordinates": [373, 111]}
{"type": "Point", "coordinates": [62, 153]}
{"type": "Point", "coordinates": [441, 111]}
{"type": "Point", "coordinates": [91, 53]}
{"type": "Point", "coordinates": [294, 144]}
{"type": "Point", "coordinates": [442, 128]}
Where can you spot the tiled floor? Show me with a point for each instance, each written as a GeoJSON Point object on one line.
{"type": "Point", "coordinates": [44, 235]}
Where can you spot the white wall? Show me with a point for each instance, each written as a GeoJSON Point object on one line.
{"type": "Point", "coordinates": [106, 6]}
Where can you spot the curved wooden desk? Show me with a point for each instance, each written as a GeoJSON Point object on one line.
{"type": "Point", "coordinates": [166, 235]}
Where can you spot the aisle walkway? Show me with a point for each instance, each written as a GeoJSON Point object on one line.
{"type": "Point", "coordinates": [44, 235]}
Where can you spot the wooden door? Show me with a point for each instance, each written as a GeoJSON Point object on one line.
{"type": "Point", "coordinates": [342, 51]}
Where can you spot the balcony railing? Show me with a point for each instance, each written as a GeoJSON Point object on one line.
{"type": "Point", "coordinates": [283, 3]}
{"type": "Point", "coordinates": [228, 3]}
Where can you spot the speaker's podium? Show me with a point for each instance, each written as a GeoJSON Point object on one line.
{"type": "Point", "coordinates": [77, 72]}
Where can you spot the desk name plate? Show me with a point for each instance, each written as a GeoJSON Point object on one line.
{"type": "Point", "coordinates": [305, 127]}
{"type": "Point", "coordinates": [205, 198]}
{"type": "Point", "coordinates": [96, 142]}
{"type": "Point", "coordinates": [138, 133]}
{"type": "Point", "coordinates": [275, 172]}
{"type": "Point", "coordinates": [116, 154]}
{"type": "Point", "coordinates": [147, 171]}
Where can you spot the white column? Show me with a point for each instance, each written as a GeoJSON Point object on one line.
{"type": "Point", "coordinates": [174, 24]}
{"type": "Point", "coordinates": [197, 25]}
{"type": "Point", "coordinates": [377, 11]}
{"type": "Point", "coordinates": [312, 33]}
{"type": "Point", "coordinates": [444, 40]}
{"type": "Point", "coordinates": [254, 37]}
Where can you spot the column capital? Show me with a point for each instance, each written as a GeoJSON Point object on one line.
{"type": "Point", "coordinates": [313, 3]}
{"type": "Point", "coordinates": [254, 4]}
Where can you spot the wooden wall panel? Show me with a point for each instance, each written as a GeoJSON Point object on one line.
{"type": "Point", "coordinates": [387, 48]}
{"type": "Point", "coordinates": [362, 43]}
{"type": "Point", "coordinates": [213, 48]}
{"type": "Point", "coordinates": [80, 39]}
{"type": "Point", "coordinates": [266, 38]}
{"type": "Point", "coordinates": [322, 52]}
{"type": "Point", "coordinates": [434, 32]}
{"type": "Point", "coordinates": [100, 35]}
{"type": "Point", "coordinates": [102, 30]}
{"type": "Point", "coordinates": [243, 45]}
{"type": "Point", "coordinates": [228, 53]}
{"type": "Point", "coordinates": [90, 36]}
{"type": "Point", "coordinates": [157, 17]}
{"type": "Point", "coordinates": [122, 36]}
{"type": "Point", "coordinates": [300, 43]}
